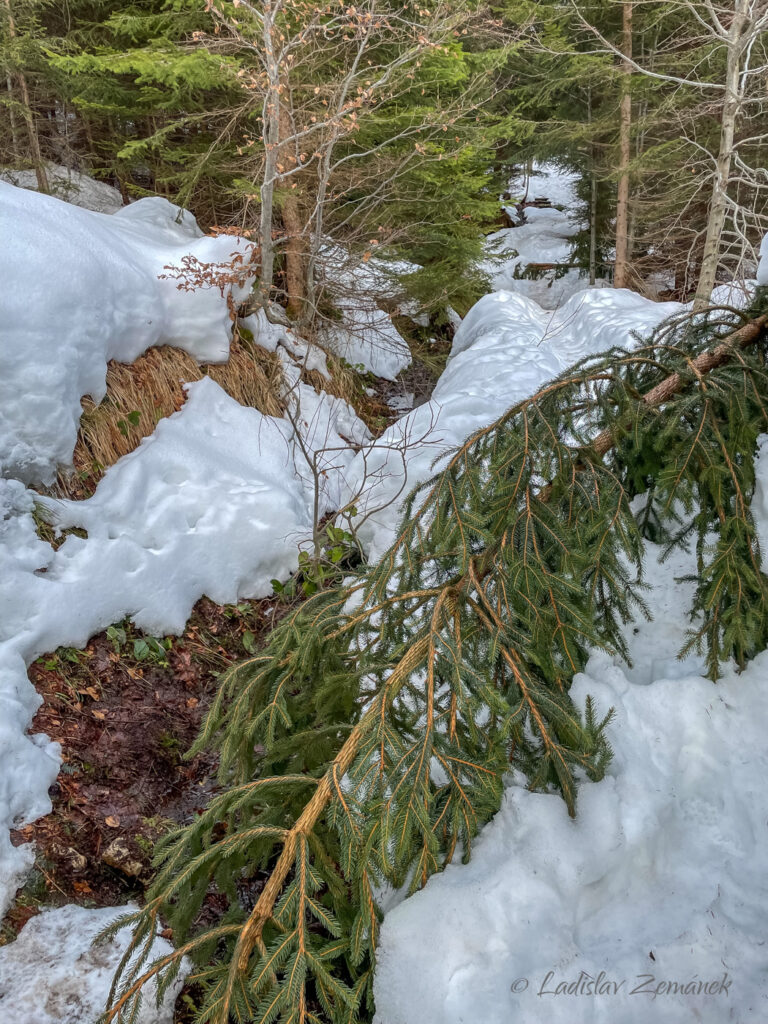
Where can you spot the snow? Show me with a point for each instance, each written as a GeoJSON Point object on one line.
{"type": "Point", "coordinates": [54, 974]}
{"type": "Point", "coordinates": [367, 338]}
{"type": "Point", "coordinates": [762, 267]}
{"type": "Point", "coordinates": [504, 350]}
{"type": "Point", "coordinates": [274, 336]}
{"type": "Point", "coordinates": [364, 335]}
{"type": "Point", "coordinates": [660, 877]}
{"type": "Point", "coordinates": [80, 288]}
{"type": "Point", "coordinates": [72, 186]}
{"type": "Point", "coordinates": [545, 237]}
{"type": "Point", "coordinates": [187, 513]}
{"type": "Point", "coordinates": [665, 851]}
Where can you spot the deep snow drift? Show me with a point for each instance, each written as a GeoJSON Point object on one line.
{"type": "Point", "coordinates": [80, 288]}
{"type": "Point", "coordinates": [506, 347]}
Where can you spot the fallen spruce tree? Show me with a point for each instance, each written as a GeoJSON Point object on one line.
{"type": "Point", "coordinates": [369, 742]}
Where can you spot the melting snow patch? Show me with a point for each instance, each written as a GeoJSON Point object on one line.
{"type": "Point", "coordinates": [215, 502]}
{"type": "Point", "coordinates": [54, 974]}
{"type": "Point", "coordinates": [80, 288]}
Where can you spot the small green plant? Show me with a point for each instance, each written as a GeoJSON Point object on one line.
{"type": "Point", "coordinates": [131, 420]}
{"type": "Point", "coordinates": [335, 554]}
{"type": "Point", "coordinates": [149, 648]}
{"type": "Point", "coordinates": [118, 637]}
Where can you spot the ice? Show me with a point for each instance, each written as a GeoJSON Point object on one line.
{"type": "Point", "coordinates": [54, 974]}
{"type": "Point", "coordinates": [661, 873]}
{"type": "Point", "coordinates": [80, 288]}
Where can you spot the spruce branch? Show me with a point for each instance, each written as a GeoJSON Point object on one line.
{"type": "Point", "coordinates": [402, 698]}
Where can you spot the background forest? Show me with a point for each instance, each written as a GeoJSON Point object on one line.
{"type": "Point", "coordinates": [398, 126]}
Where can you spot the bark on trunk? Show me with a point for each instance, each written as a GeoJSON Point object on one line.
{"type": "Point", "coordinates": [625, 126]}
{"type": "Point", "coordinates": [296, 241]}
{"type": "Point", "coordinates": [718, 202]}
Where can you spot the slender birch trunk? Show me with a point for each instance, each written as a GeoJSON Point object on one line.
{"type": "Point", "coordinates": [271, 123]}
{"type": "Point", "coordinates": [718, 202]}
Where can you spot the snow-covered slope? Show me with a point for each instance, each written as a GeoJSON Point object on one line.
{"type": "Point", "coordinates": [215, 502]}
{"type": "Point", "coordinates": [666, 852]}
{"type": "Point", "coordinates": [506, 347]}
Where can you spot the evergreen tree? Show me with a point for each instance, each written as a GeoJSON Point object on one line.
{"type": "Point", "coordinates": [370, 738]}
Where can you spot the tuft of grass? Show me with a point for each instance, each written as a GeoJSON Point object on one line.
{"type": "Point", "coordinates": [139, 395]}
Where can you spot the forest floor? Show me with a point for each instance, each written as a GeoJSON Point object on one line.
{"type": "Point", "coordinates": [125, 713]}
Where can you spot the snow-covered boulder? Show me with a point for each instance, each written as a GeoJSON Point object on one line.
{"type": "Point", "coordinates": [72, 186]}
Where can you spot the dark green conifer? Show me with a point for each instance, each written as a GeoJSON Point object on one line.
{"type": "Point", "coordinates": [370, 739]}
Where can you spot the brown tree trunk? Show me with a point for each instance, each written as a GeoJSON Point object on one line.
{"type": "Point", "coordinates": [296, 236]}
{"type": "Point", "coordinates": [625, 125]}
{"type": "Point", "coordinates": [34, 142]}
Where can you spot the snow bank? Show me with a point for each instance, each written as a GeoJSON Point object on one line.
{"type": "Point", "coordinates": [72, 186]}
{"type": "Point", "coordinates": [505, 349]}
{"type": "Point", "coordinates": [215, 502]}
{"type": "Point", "coordinates": [80, 288]}
{"type": "Point", "coordinates": [660, 878]}
{"type": "Point", "coordinates": [53, 974]}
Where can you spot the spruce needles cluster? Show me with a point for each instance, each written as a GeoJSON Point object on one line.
{"type": "Point", "coordinates": [368, 743]}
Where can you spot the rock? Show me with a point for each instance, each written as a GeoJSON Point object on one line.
{"type": "Point", "coordinates": [121, 856]}
{"type": "Point", "coordinates": [77, 861]}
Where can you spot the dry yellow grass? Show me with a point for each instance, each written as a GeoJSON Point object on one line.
{"type": "Point", "coordinates": [139, 395]}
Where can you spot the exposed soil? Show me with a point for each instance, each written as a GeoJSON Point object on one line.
{"type": "Point", "coordinates": [125, 714]}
